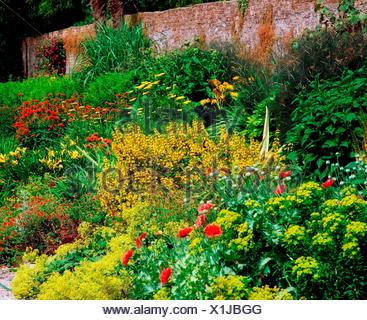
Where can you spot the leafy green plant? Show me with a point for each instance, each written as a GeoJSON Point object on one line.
{"type": "Point", "coordinates": [338, 43]}
{"type": "Point", "coordinates": [114, 50]}
{"type": "Point", "coordinates": [105, 87]}
{"type": "Point", "coordinates": [327, 120]}
{"type": "Point", "coordinates": [256, 90]}
{"type": "Point", "coordinates": [13, 93]}
{"type": "Point", "coordinates": [190, 69]}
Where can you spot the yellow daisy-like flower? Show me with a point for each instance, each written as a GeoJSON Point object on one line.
{"type": "Point", "coordinates": [204, 102]}
{"type": "Point", "coordinates": [228, 86]}
{"type": "Point", "coordinates": [74, 154]}
{"type": "Point", "coordinates": [51, 153]}
{"type": "Point", "coordinates": [2, 158]}
{"type": "Point", "coordinates": [234, 94]}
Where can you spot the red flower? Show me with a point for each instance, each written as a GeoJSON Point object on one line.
{"type": "Point", "coordinates": [328, 183]}
{"type": "Point", "coordinates": [212, 230]}
{"type": "Point", "coordinates": [285, 174]}
{"type": "Point", "coordinates": [138, 243]}
{"type": "Point", "coordinates": [125, 259]}
{"type": "Point", "coordinates": [143, 236]}
{"type": "Point", "coordinates": [164, 276]}
{"type": "Point", "coordinates": [184, 232]}
{"type": "Point", "coordinates": [200, 220]}
{"type": "Point", "coordinates": [280, 189]}
{"type": "Point", "coordinates": [140, 239]}
{"type": "Point", "coordinates": [205, 207]}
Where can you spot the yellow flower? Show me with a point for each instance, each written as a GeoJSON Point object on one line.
{"type": "Point", "coordinates": [146, 93]}
{"type": "Point", "coordinates": [159, 75]}
{"type": "Point", "coordinates": [180, 98]}
{"type": "Point", "coordinates": [215, 83]}
{"type": "Point", "coordinates": [234, 94]}
{"type": "Point", "coordinates": [143, 85]}
{"type": "Point", "coordinates": [74, 154]}
{"type": "Point", "coordinates": [204, 102]}
{"type": "Point", "coordinates": [236, 78]}
{"type": "Point", "coordinates": [228, 86]}
{"type": "Point", "coordinates": [187, 102]}
{"type": "Point", "coordinates": [51, 153]}
{"type": "Point", "coordinates": [14, 162]}
{"type": "Point", "coordinates": [132, 99]}
{"type": "Point", "coordinates": [72, 143]}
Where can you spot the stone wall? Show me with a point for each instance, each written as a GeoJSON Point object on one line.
{"type": "Point", "coordinates": [264, 24]}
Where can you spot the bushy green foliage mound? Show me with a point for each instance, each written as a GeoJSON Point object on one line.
{"type": "Point", "coordinates": [327, 120]}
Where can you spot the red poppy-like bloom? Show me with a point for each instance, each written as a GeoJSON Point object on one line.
{"type": "Point", "coordinates": [205, 207]}
{"type": "Point", "coordinates": [138, 243]}
{"type": "Point", "coordinates": [280, 189]}
{"type": "Point", "coordinates": [125, 259]}
{"type": "Point", "coordinates": [328, 183]}
{"type": "Point", "coordinates": [140, 239]}
{"type": "Point", "coordinates": [143, 236]}
{"type": "Point", "coordinates": [212, 230]}
{"type": "Point", "coordinates": [184, 232]}
{"type": "Point", "coordinates": [200, 220]}
{"type": "Point", "coordinates": [285, 174]}
{"type": "Point", "coordinates": [164, 276]}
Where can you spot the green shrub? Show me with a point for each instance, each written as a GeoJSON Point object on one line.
{"type": "Point", "coordinates": [105, 87]}
{"type": "Point", "coordinates": [339, 43]}
{"type": "Point", "coordinates": [6, 121]}
{"type": "Point", "coordinates": [114, 50]}
{"type": "Point", "coordinates": [190, 69]}
{"type": "Point", "coordinates": [327, 120]}
{"type": "Point", "coordinates": [13, 94]}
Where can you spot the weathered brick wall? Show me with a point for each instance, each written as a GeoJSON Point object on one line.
{"type": "Point", "coordinates": [264, 24]}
